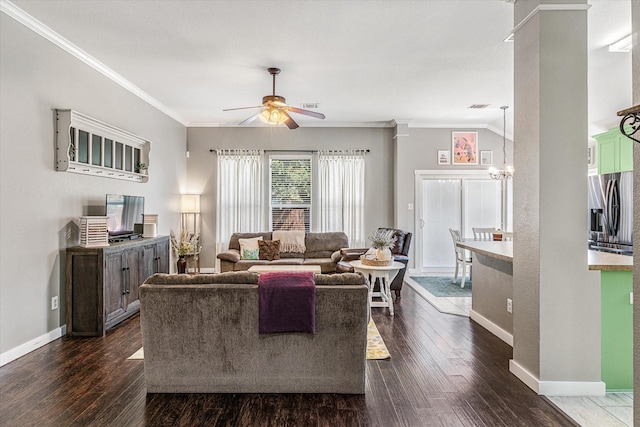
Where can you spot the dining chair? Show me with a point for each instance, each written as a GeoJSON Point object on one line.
{"type": "Point", "coordinates": [483, 233]}
{"type": "Point", "coordinates": [462, 257]}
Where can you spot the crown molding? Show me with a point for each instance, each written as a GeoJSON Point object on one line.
{"type": "Point", "coordinates": [305, 125]}
{"type": "Point", "coordinates": [47, 33]}
{"type": "Point", "coordinates": [546, 7]}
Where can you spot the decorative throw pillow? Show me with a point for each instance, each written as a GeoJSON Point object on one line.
{"type": "Point", "coordinates": [269, 249]}
{"type": "Point", "coordinates": [249, 248]}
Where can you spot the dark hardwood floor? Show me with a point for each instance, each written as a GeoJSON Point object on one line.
{"type": "Point", "coordinates": [444, 370]}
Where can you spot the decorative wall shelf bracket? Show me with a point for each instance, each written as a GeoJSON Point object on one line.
{"type": "Point", "coordinates": [630, 123]}
{"type": "Point", "coordinates": [88, 146]}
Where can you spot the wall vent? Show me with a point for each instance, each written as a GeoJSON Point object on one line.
{"type": "Point", "coordinates": [309, 105]}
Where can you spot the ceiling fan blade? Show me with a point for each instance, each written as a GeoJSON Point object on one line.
{"type": "Point", "coordinates": [242, 108]}
{"type": "Point", "coordinates": [250, 119]}
{"type": "Point", "coordinates": [291, 124]}
{"type": "Point", "coordinates": [307, 112]}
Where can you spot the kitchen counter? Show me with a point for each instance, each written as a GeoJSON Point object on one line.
{"type": "Point", "coordinates": [492, 280]}
{"type": "Point", "coordinates": [606, 261]}
{"type": "Point", "coordinates": [499, 250]}
{"type": "Point", "coordinates": [597, 260]}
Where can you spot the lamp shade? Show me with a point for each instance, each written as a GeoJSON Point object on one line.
{"type": "Point", "coordinates": [190, 203]}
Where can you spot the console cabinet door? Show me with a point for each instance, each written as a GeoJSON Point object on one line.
{"type": "Point", "coordinates": [133, 273]}
{"type": "Point", "coordinates": [162, 255]}
{"type": "Point", "coordinates": [114, 286]}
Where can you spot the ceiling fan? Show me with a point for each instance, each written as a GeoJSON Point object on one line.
{"type": "Point", "coordinates": [274, 108]}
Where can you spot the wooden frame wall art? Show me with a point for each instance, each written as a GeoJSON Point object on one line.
{"type": "Point", "coordinates": [464, 148]}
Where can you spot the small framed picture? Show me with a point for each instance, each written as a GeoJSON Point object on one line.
{"type": "Point", "coordinates": [443, 157]}
{"type": "Point", "coordinates": [486, 158]}
{"type": "Point", "coordinates": [464, 146]}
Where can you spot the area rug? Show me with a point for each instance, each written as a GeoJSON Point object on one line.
{"type": "Point", "coordinates": [442, 287]}
{"type": "Point", "coordinates": [376, 348]}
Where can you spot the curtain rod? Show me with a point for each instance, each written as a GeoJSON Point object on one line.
{"type": "Point", "coordinates": [296, 151]}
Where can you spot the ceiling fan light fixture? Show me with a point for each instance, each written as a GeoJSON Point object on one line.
{"type": "Point", "coordinates": [273, 116]}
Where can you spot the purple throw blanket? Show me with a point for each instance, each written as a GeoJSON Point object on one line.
{"type": "Point", "coordinates": [287, 302]}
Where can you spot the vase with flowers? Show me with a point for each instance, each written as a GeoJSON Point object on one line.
{"type": "Point", "coordinates": [183, 247]}
{"type": "Point", "coordinates": [382, 241]}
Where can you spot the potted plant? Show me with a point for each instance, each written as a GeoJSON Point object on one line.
{"type": "Point", "coordinates": [141, 168]}
{"type": "Point", "coordinates": [185, 246]}
{"type": "Point", "coordinates": [382, 240]}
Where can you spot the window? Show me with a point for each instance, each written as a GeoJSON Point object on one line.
{"type": "Point", "coordinates": [290, 188]}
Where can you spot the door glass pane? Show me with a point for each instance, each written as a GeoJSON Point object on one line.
{"type": "Point", "coordinates": [96, 150]}
{"type": "Point", "coordinates": [108, 153]}
{"type": "Point", "coordinates": [441, 210]}
{"type": "Point", "coordinates": [482, 204]}
{"type": "Point", "coordinates": [83, 147]}
{"type": "Point", "coordinates": [136, 159]}
{"type": "Point", "coordinates": [119, 153]}
{"type": "Point", "coordinates": [127, 158]}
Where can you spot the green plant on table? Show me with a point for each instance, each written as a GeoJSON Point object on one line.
{"type": "Point", "coordinates": [382, 239]}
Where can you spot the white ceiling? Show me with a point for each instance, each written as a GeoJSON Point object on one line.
{"type": "Point", "coordinates": [364, 62]}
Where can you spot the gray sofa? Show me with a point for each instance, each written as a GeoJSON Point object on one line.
{"type": "Point", "coordinates": [322, 249]}
{"type": "Point", "coordinates": [200, 335]}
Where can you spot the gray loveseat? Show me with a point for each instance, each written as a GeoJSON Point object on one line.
{"type": "Point", "coordinates": [322, 249]}
{"type": "Point", "coordinates": [200, 335]}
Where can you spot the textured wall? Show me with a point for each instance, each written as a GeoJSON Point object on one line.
{"type": "Point", "coordinates": [556, 297]}
{"type": "Point", "coordinates": [39, 206]}
{"type": "Point", "coordinates": [497, 281]}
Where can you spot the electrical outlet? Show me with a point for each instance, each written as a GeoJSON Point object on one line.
{"type": "Point", "coordinates": [631, 298]}
{"type": "Point", "coordinates": [54, 303]}
{"type": "Point", "coordinates": [509, 305]}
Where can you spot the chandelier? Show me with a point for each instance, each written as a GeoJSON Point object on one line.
{"type": "Point", "coordinates": [507, 170]}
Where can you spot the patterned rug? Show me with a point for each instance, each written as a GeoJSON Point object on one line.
{"type": "Point", "coordinates": [442, 286]}
{"type": "Point", "coordinates": [376, 348]}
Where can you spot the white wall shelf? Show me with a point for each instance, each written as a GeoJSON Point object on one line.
{"type": "Point", "coordinates": [88, 146]}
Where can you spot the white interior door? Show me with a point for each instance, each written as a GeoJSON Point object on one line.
{"type": "Point", "coordinates": [441, 209]}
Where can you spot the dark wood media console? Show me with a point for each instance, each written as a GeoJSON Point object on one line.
{"type": "Point", "coordinates": [102, 283]}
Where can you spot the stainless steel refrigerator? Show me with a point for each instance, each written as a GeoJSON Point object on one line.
{"type": "Point", "coordinates": [611, 212]}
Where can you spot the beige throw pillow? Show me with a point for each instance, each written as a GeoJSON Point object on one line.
{"type": "Point", "coordinates": [249, 248]}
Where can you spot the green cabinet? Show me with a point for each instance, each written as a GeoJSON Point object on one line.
{"type": "Point", "coordinates": [615, 152]}
{"type": "Point", "coordinates": [617, 330]}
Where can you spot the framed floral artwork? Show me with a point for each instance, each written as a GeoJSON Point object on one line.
{"type": "Point", "coordinates": [464, 148]}
{"type": "Point", "coordinates": [443, 157]}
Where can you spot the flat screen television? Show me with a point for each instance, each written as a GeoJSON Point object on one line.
{"type": "Point", "coordinates": [123, 212]}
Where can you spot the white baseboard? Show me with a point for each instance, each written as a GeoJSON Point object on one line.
{"type": "Point", "coordinates": [28, 347]}
{"type": "Point", "coordinates": [557, 388]}
{"type": "Point", "coordinates": [491, 327]}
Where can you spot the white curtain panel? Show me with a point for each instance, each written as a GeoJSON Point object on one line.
{"type": "Point", "coordinates": [240, 205]}
{"type": "Point", "coordinates": [341, 188]}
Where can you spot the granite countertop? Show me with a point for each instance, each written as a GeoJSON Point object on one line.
{"type": "Point", "coordinates": [504, 251]}
{"type": "Point", "coordinates": [609, 262]}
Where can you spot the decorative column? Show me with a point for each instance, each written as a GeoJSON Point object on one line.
{"type": "Point", "coordinates": [556, 299]}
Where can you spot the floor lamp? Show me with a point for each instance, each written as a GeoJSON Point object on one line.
{"type": "Point", "coordinates": [190, 221]}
